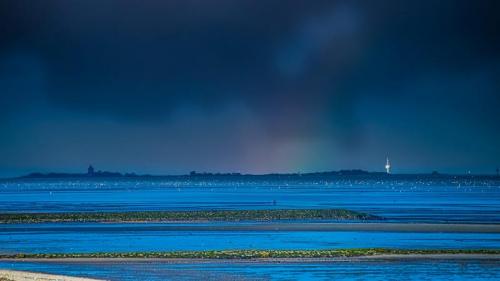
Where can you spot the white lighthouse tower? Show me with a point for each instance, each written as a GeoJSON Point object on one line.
{"type": "Point", "coordinates": [388, 166]}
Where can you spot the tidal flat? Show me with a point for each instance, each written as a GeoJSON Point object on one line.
{"type": "Point", "coordinates": [157, 230]}
{"type": "Point", "coordinates": [466, 270]}
{"type": "Point", "coordinates": [166, 216]}
{"type": "Point", "coordinates": [259, 254]}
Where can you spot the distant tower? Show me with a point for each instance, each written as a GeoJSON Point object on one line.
{"type": "Point", "coordinates": [388, 166]}
{"type": "Point", "coordinates": [90, 170]}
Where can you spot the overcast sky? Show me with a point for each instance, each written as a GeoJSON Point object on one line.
{"type": "Point", "coordinates": [166, 87]}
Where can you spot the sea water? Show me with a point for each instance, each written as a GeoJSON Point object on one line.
{"type": "Point", "coordinates": [366, 270]}
{"type": "Point", "coordinates": [448, 201]}
{"type": "Point", "coordinates": [432, 201]}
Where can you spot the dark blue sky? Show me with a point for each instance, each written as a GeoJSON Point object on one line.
{"type": "Point", "coordinates": [250, 86]}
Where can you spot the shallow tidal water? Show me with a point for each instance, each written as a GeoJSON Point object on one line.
{"type": "Point", "coordinates": [429, 201]}
{"type": "Point", "coordinates": [380, 270]}
{"type": "Point", "coordinates": [95, 237]}
{"type": "Point", "coordinates": [397, 201]}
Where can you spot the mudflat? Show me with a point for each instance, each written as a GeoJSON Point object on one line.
{"type": "Point", "coordinates": [387, 257]}
{"type": "Point", "coordinates": [298, 226]}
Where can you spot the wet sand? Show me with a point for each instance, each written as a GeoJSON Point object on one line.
{"type": "Point", "coordinates": [392, 227]}
{"type": "Point", "coordinates": [291, 226]}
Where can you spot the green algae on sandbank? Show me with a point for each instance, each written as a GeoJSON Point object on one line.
{"type": "Point", "coordinates": [256, 254]}
{"type": "Point", "coordinates": [216, 215]}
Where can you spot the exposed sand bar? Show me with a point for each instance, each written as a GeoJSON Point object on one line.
{"type": "Point", "coordinates": [384, 257]}
{"type": "Point", "coordinates": [253, 254]}
{"type": "Point", "coordinates": [15, 275]}
{"type": "Point", "coordinates": [392, 227]}
{"type": "Point", "coordinates": [389, 227]}
{"type": "Point", "coordinates": [200, 216]}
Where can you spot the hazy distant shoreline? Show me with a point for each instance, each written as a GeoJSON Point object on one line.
{"type": "Point", "coordinates": [342, 174]}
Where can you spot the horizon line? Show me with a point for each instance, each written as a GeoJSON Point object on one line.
{"type": "Point", "coordinates": [348, 172]}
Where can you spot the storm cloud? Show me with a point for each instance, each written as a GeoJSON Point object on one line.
{"type": "Point", "coordinates": [250, 86]}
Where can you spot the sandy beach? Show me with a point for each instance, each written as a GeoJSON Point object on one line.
{"type": "Point", "coordinates": [18, 275]}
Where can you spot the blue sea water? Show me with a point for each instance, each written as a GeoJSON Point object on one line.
{"type": "Point", "coordinates": [398, 201]}
{"type": "Point", "coordinates": [90, 237]}
{"type": "Point", "coordinates": [366, 270]}
{"type": "Point", "coordinates": [434, 201]}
